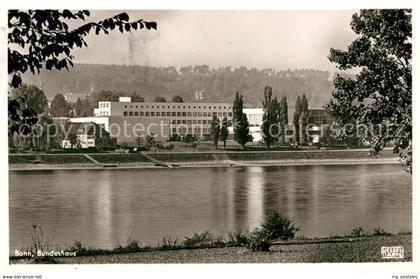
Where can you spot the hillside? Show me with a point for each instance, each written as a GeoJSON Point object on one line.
{"type": "Point", "coordinates": [218, 85]}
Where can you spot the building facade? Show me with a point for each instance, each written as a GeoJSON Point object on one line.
{"type": "Point", "coordinates": [184, 118]}
{"type": "Point", "coordinates": [85, 135]}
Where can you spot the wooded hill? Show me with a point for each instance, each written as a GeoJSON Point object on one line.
{"type": "Point", "coordinates": [215, 85]}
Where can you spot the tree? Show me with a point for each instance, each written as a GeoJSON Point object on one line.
{"type": "Point", "coordinates": [137, 98]}
{"type": "Point", "coordinates": [270, 118]}
{"type": "Point", "coordinates": [79, 107]}
{"type": "Point", "coordinates": [35, 97]}
{"type": "Point", "coordinates": [159, 99]}
{"type": "Point", "coordinates": [224, 132]}
{"type": "Point", "coordinates": [304, 120]}
{"type": "Point", "coordinates": [296, 119]}
{"type": "Point", "coordinates": [74, 140]}
{"type": "Point", "coordinates": [40, 39]}
{"type": "Point", "coordinates": [215, 130]}
{"type": "Point", "coordinates": [177, 99]}
{"type": "Point", "coordinates": [240, 122]}
{"type": "Point", "coordinates": [283, 119]}
{"type": "Point", "coordinates": [380, 95]}
{"type": "Point", "coordinates": [87, 108]}
{"type": "Point", "coordinates": [59, 107]}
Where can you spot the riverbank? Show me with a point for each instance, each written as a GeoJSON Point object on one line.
{"type": "Point", "coordinates": [350, 249]}
{"type": "Point", "coordinates": [203, 159]}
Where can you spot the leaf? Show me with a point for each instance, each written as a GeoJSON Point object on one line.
{"type": "Point", "coordinates": [151, 25]}
{"type": "Point", "coordinates": [16, 80]}
{"type": "Point", "coordinates": [123, 17]}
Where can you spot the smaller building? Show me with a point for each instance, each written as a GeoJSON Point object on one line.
{"type": "Point", "coordinates": [85, 135]}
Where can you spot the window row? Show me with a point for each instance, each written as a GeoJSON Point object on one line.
{"type": "Point", "coordinates": [179, 107]}
{"type": "Point", "coordinates": [180, 114]}
{"type": "Point", "coordinates": [194, 121]}
{"type": "Point", "coordinates": [195, 130]}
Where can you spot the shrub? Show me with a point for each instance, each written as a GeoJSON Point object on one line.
{"type": "Point", "coordinates": [259, 241]}
{"type": "Point", "coordinates": [199, 239]}
{"type": "Point", "coordinates": [237, 239]}
{"type": "Point", "coordinates": [380, 231]}
{"type": "Point", "coordinates": [132, 246]}
{"type": "Point", "coordinates": [357, 232]}
{"type": "Point", "coordinates": [168, 243]}
{"type": "Point", "coordinates": [277, 226]}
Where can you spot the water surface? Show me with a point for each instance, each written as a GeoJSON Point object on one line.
{"type": "Point", "coordinates": [104, 207]}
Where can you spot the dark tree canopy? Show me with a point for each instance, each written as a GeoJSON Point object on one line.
{"type": "Point", "coordinates": [224, 132]}
{"type": "Point", "coordinates": [159, 99]}
{"type": "Point", "coordinates": [35, 97]}
{"type": "Point", "coordinates": [215, 130]}
{"type": "Point", "coordinates": [381, 93]}
{"type": "Point", "coordinates": [240, 122]}
{"type": "Point", "coordinates": [270, 117]}
{"type": "Point", "coordinates": [177, 99]}
{"type": "Point", "coordinates": [59, 107]}
{"type": "Point", "coordinates": [42, 39]}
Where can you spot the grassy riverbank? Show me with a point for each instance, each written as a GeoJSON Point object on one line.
{"type": "Point", "coordinates": [228, 157]}
{"type": "Point", "coordinates": [347, 249]}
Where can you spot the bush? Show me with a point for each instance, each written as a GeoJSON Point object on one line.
{"type": "Point", "coordinates": [237, 239]}
{"type": "Point", "coordinates": [259, 241]}
{"type": "Point", "coordinates": [199, 239]}
{"type": "Point", "coordinates": [357, 232]}
{"type": "Point", "coordinates": [132, 246]}
{"type": "Point", "coordinates": [168, 243]}
{"type": "Point", "coordinates": [379, 232]}
{"type": "Point", "coordinates": [277, 226]}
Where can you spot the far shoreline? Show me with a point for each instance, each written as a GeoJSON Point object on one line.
{"type": "Point", "coordinates": [205, 164]}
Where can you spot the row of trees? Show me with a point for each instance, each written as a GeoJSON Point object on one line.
{"type": "Point", "coordinates": [36, 100]}
{"type": "Point", "coordinates": [218, 132]}
{"type": "Point", "coordinates": [275, 118]}
{"type": "Point", "coordinates": [300, 119]}
{"type": "Point", "coordinates": [113, 96]}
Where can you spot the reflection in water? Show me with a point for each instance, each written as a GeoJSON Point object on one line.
{"type": "Point", "coordinates": [102, 204]}
{"type": "Point", "coordinates": [255, 183]}
{"type": "Point", "coordinates": [104, 207]}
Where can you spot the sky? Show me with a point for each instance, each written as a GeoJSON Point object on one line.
{"type": "Point", "coordinates": [260, 39]}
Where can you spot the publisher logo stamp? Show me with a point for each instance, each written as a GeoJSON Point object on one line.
{"type": "Point", "coordinates": [393, 252]}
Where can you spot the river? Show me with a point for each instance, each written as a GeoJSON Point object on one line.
{"type": "Point", "coordinates": [103, 208]}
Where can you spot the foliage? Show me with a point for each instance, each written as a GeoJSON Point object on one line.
{"type": "Point", "coordinates": [357, 232]}
{"type": "Point", "coordinates": [296, 119]}
{"type": "Point", "coordinates": [270, 117]}
{"type": "Point", "coordinates": [379, 232]}
{"type": "Point", "coordinates": [35, 97]}
{"type": "Point", "coordinates": [277, 226]}
{"type": "Point", "coordinates": [83, 108]}
{"type": "Point", "coordinates": [39, 39]}
{"type": "Point", "coordinates": [131, 246]}
{"type": "Point", "coordinates": [136, 98]}
{"type": "Point", "coordinates": [74, 140]}
{"type": "Point", "coordinates": [168, 243]}
{"type": "Point", "coordinates": [380, 95]}
{"type": "Point", "coordinates": [150, 141]}
{"type": "Point", "coordinates": [304, 119]}
{"type": "Point", "coordinates": [159, 99]}
{"type": "Point", "coordinates": [199, 239]}
{"type": "Point", "coordinates": [177, 99]}
{"type": "Point", "coordinates": [240, 122]}
{"type": "Point", "coordinates": [259, 241]}
{"type": "Point", "coordinates": [215, 130]}
{"type": "Point", "coordinates": [224, 132]}
{"type": "Point", "coordinates": [283, 118]}
{"type": "Point", "coordinates": [59, 107]}
{"type": "Point", "coordinates": [236, 239]}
